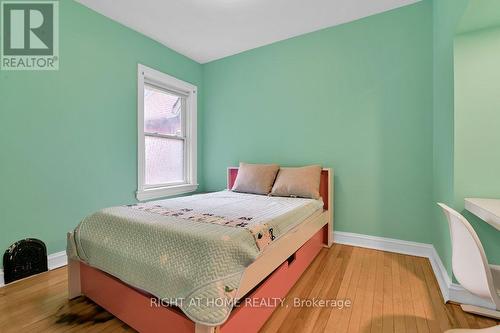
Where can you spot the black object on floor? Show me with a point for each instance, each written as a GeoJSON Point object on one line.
{"type": "Point", "coordinates": [24, 258]}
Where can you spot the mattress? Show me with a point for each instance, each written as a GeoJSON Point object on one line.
{"type": "Point", "coordinates": [190, 251]}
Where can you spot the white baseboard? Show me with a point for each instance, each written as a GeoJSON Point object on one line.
{"type": "Point", "coordinates": [383, 244]}
{"type": "Point", "coordinates": [460, 295]}
{"type": "Point", "coordinates": [58, 259]}
{"type": "Point", "coordinates": [55, 260]}
{"type": "Point", "coordinates": [451, 291]}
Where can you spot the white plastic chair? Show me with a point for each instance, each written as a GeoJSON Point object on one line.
{"type": "Point", "coordinates": [470, 265]}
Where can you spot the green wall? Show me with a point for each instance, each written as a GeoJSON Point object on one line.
{"type": "Point", "coordinates": [446, 18]}
{"type": "Point", "coordinates": [373, 99]}
{"type": "Point", "coordinates": [356, 97]}
{"type": "Point", "coordinates": [68, 137]}
{"type": "Point", "coordinates": [456, 129]}
{"type": "Point", "coordinates": [479, 14]}
{"type": "Point", "coordinates": [477, 121]}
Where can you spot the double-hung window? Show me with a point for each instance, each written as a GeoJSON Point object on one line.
{"type": "Point", "coordinates": [167, 135]}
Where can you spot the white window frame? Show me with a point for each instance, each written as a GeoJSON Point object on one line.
{"type": "Point", "coordinates": [146, 75]}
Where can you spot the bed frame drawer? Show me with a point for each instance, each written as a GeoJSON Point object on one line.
{"type": "Point", "coordinates": [248, 318]}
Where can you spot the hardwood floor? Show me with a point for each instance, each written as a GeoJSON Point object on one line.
{"type": "Point", "coordinates": [389, 293]}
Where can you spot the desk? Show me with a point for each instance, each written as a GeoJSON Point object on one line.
{"type": "Point", "coordinates": [486, 209]}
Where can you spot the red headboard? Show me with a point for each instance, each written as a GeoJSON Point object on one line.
{"type": "Point", "coordinates": [325, 184]}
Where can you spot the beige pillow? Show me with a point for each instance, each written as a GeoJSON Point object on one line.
{"type": "Point", "coordinates": [298, 182]}
{"type": "Point", "coordinates": [255, 178]}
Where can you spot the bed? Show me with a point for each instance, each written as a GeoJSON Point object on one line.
{"type": "Point", "coordinates": [132, 260]}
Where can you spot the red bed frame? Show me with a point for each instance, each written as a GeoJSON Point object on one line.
{"type": "Point", "coordinates": [134, 307]}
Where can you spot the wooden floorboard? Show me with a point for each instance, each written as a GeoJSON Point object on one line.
{"type": "Point", "coordinates": [389, 293]}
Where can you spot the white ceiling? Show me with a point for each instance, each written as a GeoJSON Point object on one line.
{"type": "Point", "coordinates": [206, 30]}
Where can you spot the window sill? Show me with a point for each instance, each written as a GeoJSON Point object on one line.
{"type": "Point", "coordinates": [156, 193]}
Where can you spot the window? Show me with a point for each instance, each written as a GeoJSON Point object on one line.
{"type": "Point", "coordinates": [167, 135]}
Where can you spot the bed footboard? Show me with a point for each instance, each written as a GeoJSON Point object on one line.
{"type": "Point", "coordinates": [74, 282]}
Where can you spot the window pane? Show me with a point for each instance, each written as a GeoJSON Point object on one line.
{"type": "Point", "coordinates": [164, 160]}
{"type": "Point", "coordinates": [162, 111]}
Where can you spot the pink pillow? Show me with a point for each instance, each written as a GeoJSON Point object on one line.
{"type": "Point", "coordinates": [255, 178]}
{"type": "Point", "coordinates": [298, 182]}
